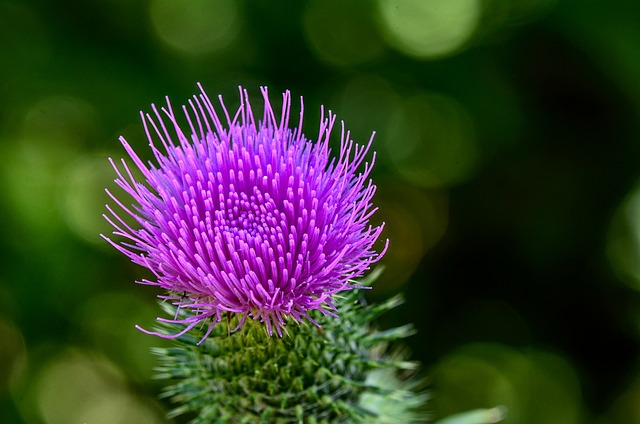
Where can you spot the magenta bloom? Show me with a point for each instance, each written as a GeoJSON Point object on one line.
{"type": "Point", "coordinates": [247, 217]}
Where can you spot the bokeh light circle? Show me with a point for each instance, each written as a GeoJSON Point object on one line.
{"type": "Point", "coordinates": [535, 386]}
{"type": "Point", "coordinates": [429, 29]}
{"type": "Point", "coordinates": [107, 325]}
{"type": "Point", "coordinates": [77, 387]}
{"type": "Point", "coordinates": [196, 26]}
{"type": "Point", "coordinates": [433, 141]}
{"type": "Point", "coordinates": [82, 198]}
{"type": "Point", "coordinates": [52, 131]}
{"type": "Point", "coordinates": [623, 239]}
{"type": "Point", "coordinates": [13, 354]}
{"type": "Point", "coordinates": [366, 103]}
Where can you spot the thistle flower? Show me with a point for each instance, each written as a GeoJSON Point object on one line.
{"type": "Point", "coordinates": [246, 219]}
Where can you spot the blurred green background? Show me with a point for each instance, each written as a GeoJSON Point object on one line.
{"type": "Point", "coordinates": [508, 145]}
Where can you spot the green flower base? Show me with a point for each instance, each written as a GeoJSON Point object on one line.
{"type": "Point", "coordinates": [341, 372]}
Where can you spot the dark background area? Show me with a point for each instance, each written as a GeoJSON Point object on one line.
{"type": "Point", "coordinates": [508, 147]}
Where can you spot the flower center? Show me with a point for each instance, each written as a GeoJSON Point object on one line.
{"type": "Point", "coordinates": [247, 216]}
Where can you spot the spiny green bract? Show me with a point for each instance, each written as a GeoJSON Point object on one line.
{"type": "Point", "coordinates": [340, 373]}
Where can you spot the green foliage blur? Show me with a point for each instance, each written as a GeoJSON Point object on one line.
{"type": "Point", "coordinates": [508, 165]}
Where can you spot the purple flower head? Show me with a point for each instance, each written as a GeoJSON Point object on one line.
{"type": "Point", "coordinates": [245, 217]}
